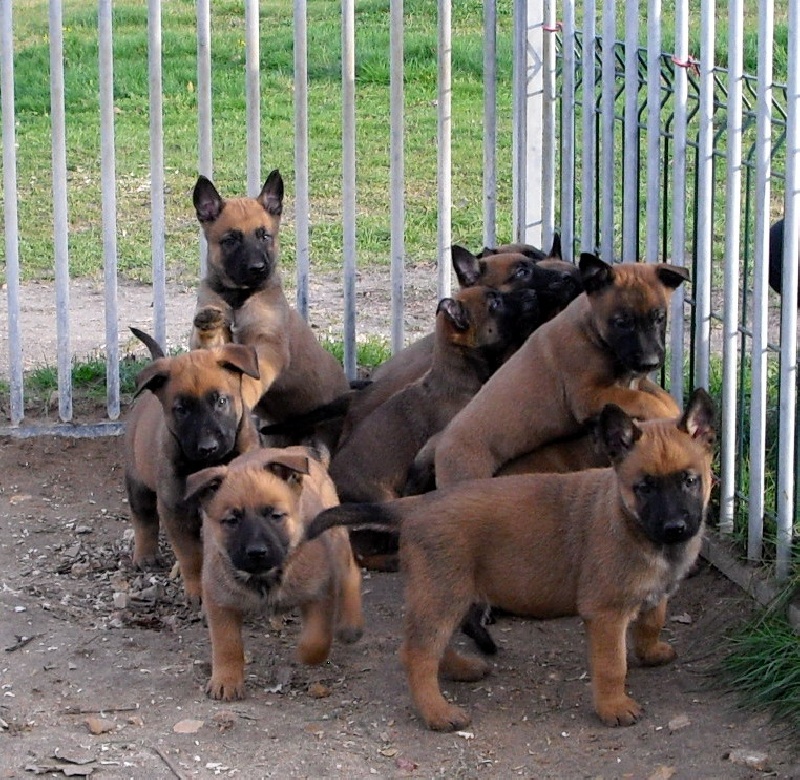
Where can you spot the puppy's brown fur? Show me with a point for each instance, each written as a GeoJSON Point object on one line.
{"type": "Point", "coordinates": [599, 350]}
{"type": "Point", "coordinates": [193, 416]}
{"type": "Point", "coordinates": [609, 545]}
{"type": "Point", "coordinates": [254, 515]}
{"type": "Point", "coordinates": [242, 299]}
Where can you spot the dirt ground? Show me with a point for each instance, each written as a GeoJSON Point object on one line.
{"type": "Point", "coordinates": [87, 645]}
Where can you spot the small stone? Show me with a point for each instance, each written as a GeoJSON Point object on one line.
{"type": "Point", "coordinates": [100, 725]}
{"type": "Point", "coordinates": [679, 722]}
{"type": "Point", "coordinates": [121, 600]}
{"type": "Point", "coordinates": [753, 759]}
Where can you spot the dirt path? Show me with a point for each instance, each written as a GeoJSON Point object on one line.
{"type": "Point", "coordinates": [138, 669]}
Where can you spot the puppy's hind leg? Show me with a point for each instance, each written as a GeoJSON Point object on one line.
{"type": "Point", "coordinates": [316, 636]}
{"type": "Point", "coordinates": [430, 623]}
{"type": "Point", "coordinates": [350, 623]}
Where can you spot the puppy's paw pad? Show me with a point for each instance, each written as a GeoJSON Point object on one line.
{"type": "Point", "coordinates": [660, 653]}
{"type": "Point", "coordinates": [225, 690]}
{"type": "Point", "coordinates": [350, 634]}
{"type": "Point", "coordinates": [209, 318]}
{"type": "Point", "coordinates": [624, 712]}
{"type": "Point", "coordinates": [448, 718]}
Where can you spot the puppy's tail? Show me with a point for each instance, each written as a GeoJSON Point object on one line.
{"type": "Point", "coordinates": [372, 516]}
{"type": "Point", "coordinates": [155, 348]}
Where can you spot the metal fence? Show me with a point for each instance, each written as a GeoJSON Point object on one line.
{"type": "Point", "coordinates": [623, 148]}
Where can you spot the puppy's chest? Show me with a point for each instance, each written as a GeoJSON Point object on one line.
{"type": "Point", "coordinates": [662, 579]}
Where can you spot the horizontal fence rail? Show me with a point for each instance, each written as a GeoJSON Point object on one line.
{"type": "Point", "coordinates": [619, 126]}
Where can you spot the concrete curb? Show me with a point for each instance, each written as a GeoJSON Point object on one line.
{"type": "Point", "coordinates": [719, 553]}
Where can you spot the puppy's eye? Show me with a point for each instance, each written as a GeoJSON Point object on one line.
{"type": "Point", "coordinates": [622, 322]}
{"type": "Point", "coordinates": [222, 401]}
{"type": "Point", "coordinates": [658, 316]}
{"type": "Point", "coordinates": [495, 302]}
{"type": "Point", "coordinates": [522, 272]}
{"type": "Point", "coordinates": [231, 520]}
{"type": "Point", "coordinates": [273, 515]}
{"type": "Point", "coordinates": [691, 480]}
{"type": "Point", "coordinates": [230, 240]}
{"type": "Point", "coordinates": [179, 408]}
{"type": "Point", "coordinates": [644, 487]}
{"type": "Point", "coordinates": [262, 235]}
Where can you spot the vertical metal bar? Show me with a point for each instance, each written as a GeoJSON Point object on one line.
{"type": "Point", "coordinates": [630, 131]}
{"type": "Point", "coordinates": [733, 216]}
{"type": "Point", "coordinates": [349, 183]}
{"type": "Point", "coordinates": [444, 156]}
{"type": "Point", "coordinates": [607, 133]}
{"type": "Point", "coordinates": [588, 142]}
{"type": "Point", "coordinates": [518, 129]}
{"type": "Point", "coordinates": [10, 212]}
{"type": "Point", "coordinates": [532, 213]}
{"type": "Point", "coordinates": [705, 194]}
{"type": "Point", "coordinates": [653, 210]}
{"type": "Point", "coordinates": [678, 238]}
{"type": "Point", "coordinates": [490, 123]}
{"type": "Point", "coordinates": [108, 173]}
{"type": "Point", "coordinates": [157, 173]}
{"type": "Point", "coordinates": [397, 172]}
{"type": "Point", "coordinates": [568, 130]}
{"type": "Point", "coordinates": [302, 232]}
{"type": "Point", "coordinates": [548, 123]}
{"type": "Point", "coordinates": [761, 198]}
{"type": "Point", "coordinates": [60, 215]}
{"type": "Point", "coordinates": [791, 238]}
{"type": "Point", "coordinates": [253, 102]}
{"type": "Point", "coordinates": [204, 122]}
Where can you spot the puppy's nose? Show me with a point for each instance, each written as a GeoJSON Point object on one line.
{"type": "Point", "coordinates": [257, 551]}
{"type": "Point", "coordinates": [207, 449]}
{"type": "Point", "coordinates": [674, 530]}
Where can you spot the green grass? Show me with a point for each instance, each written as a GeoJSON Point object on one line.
{"type": "Point", "coordinates": [763, 666]}
{"type": "Point", "coordinates": [229, 134]}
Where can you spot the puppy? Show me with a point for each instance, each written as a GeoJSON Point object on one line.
{"type": "Point", "coordinates": [776, 258]}
{"type": "Point", "coordinates": [242, 299]}
{"type": "Point", "coordinates": [610, 545]}
{"type": "Point", "coordinates": [193, 416]}
{"type": "Point", "coordinates": [599, 350]}
{"type": "Point", "coordinates": [254, 513]}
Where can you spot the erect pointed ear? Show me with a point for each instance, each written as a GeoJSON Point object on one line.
{"type": "Point", "coordinates": [487, 251]}
{"type": "Point", "coordinates": [153, 377]}
{"type": "Point", "coordinates": [203, 484]}
{"type": "Point", "coordinates": [555, 250]}
{"type": "Point", "coordinates": [698, 419]}
{"type": "Point", "coordinates": [271, 195]}
{"type": "Point", "coordinates": [466, 266]}
{"type": "Point", "coordinates": [672, 276]}
{"type": "Point", "coordinates": [290, 468]}
{"type": "Point", "coordinates": [617, 432]}
{"type": "Point", "coordinates": [207, 201]}
{"type": "Point", "coordinates": [240, 357]}
{"type": "Point", "coordinates": [455, 312]}
{"type": "Point", "coordinates": [595, 274]}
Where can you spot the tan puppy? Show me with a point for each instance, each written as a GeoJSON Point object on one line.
{"type": "Point", "coordinates": [597, 351]}
{"type": "Point", "coordinates": [610, 545]}
{"type": "Point", "coordinates": [254, 514]}
{"type": "Point", "coordinates": [242, 299]}
{"type": "Point", "coordinates": [193, 416]}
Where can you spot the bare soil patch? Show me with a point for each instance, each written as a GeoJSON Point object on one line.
{"type": "Point", "coordinates": [84, 637]}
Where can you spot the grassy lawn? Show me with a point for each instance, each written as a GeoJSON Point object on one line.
{"type": "Point", "coordinates": [229, 132]}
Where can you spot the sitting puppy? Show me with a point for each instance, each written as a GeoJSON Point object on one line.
{"type": "Point", "coordinates": [610, 545]}
{"type": "Point", "coordinates": [193, 416]}
{"type": "Point", "coordinates": [254, 513]}
{"type": "Point", "coordinates": [242, 299]}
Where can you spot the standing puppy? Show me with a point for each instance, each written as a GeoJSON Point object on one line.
{"type": "Point", "coordinates": [254, 515]}
{"type": "Point", "coordinates": [242, 299]}
{"type": "Point", "coordinates": [610, 545]}
{"type": "Point", "coordinates": [599, 350]}
{"type": "Point", "coordinates": [193, 416]}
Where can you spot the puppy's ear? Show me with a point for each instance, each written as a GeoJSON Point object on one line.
{"type": "Point", "coordinates": [455, 312]}
{"type": "Point", "coordinates": [153, 377]}
{"type": "Point", "coordinates": [207, 201]}
{"type": "Point", "coordinates": [698, 419]}
{"type": "Point", "coordinates": [672, 276]}
{"type": "Point", "coordinates": [271, 195]}
{"type": "Point", "coordinates": [290, 468]}
{"type": "Point", "coordinates": [487, 251]}
{"type": "Point", "coordinates": [466, 265]}
{"type": "Point", "coordinates": [203, 484]}
{"type": "Point", "coordinates": [595, 274]}
{"type": "Point", "coordinates": [240, 357]}
{"type": "Point", "coordinates": [617, 431]}
{"type": "Point", "coordinates": [555, 250]}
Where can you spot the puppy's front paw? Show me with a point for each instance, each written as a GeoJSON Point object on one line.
{"type": "Point", "coordinates": [623, 711]}
{"type": "Point", "coordinates": [462, 668]}
{"type": "Point", "coordinates": [226, 687]}
{"type": "Point", "coordinates": [660, 653]}
{"type": "Point", "coordinates": [210, 318]}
